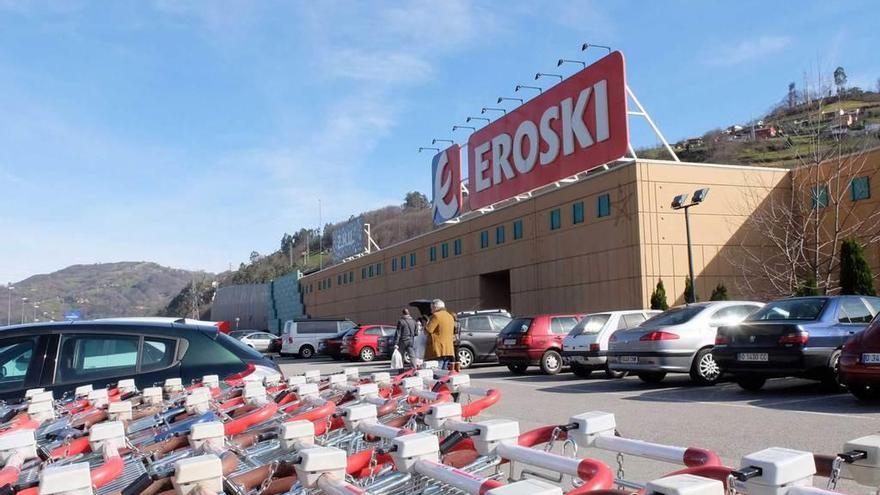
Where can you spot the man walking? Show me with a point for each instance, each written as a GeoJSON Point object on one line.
{"type": "Point", "coordinates": [440, 330]}
{"type": "Point", "coordinates": [407, 330]}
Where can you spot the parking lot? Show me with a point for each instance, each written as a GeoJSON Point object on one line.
{"type": "Point", "coordinates": [788, 412]}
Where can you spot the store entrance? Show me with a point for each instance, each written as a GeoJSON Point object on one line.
{"type": "Point", "coordinates": [495, 290]}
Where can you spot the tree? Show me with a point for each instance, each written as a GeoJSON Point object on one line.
{"type": "Point", "coordinates": [719, 293]}
{"type": "Point", "coordinates": [840, 80]}
{"type": "Point", "coordinates": [416, 200]}
{"type": "Point", "coordinates": [689, 296]}
{"type": "Point", "coordinates": [792, 95]}
{"type": "Point", "coordinates": [855, 274]}
{"type": "Point", "coordinates": [658, 297]}
{"type": "Point", "coordinates": [807, 288]}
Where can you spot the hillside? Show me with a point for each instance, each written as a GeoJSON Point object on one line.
{"type": "Point", "coordinates": [99, 290]}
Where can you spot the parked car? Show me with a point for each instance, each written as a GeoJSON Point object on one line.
{"type": "Point", "coordinates": [478, 335]}
{"type": "Point", "coordinates": [860, 362]}
{"type": "Point", "coordinates": [333, 346]}
{"type": "Point", "coordinates": [255, 340]}
{"type": "Point", "coordinates": [275, 344]}
{"type": "Point", "coordinates": [303, 337]}
{"type": "Point", "coordinates": [800, 336]}
{"type": "Point", "coordinates": [535, 341]}
{"type": "Point", "coordinates": [586, 346]}
{"type": "Point", "coordinates": [62, 356]}
{"type": "Point", "coordinates": [361, 342]}
{"type": "Point", "coordinates": [679, 340]}
{"type": "Point", "coordinates": [385, 346]}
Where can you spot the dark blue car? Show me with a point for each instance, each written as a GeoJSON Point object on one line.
{"type": "Point", "coordinates": [799, 336]}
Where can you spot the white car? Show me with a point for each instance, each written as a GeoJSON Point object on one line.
{"type": "Point", "coordinates": [256, 340]}
{"type": "Point", "coordinates": [586, 345]}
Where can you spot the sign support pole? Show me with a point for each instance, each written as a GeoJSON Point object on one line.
{"type": "Point", "coordinates": [644, 114]}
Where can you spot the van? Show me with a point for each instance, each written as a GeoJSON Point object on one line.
{"type": "Point", "coordinates": [303, 337]}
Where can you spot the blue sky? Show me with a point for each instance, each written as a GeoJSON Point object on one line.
{"type": "Point", "coordinates": [191, 133]}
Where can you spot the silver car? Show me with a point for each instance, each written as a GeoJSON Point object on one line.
{"type": "Point", "coordinates": [256, 340]}
{"type": "Point", "coordinates": [678, 340]}
{"type": "Point", "coordinates": [586, 345]}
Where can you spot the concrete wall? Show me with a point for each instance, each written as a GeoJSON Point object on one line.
{"type": "Point", "coordinates": [247, 302]}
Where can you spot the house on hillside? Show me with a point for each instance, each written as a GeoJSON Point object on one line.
{"type": "Point", "coordinates": [765, 133]}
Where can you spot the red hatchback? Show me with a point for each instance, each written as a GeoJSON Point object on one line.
{"type": "Point", "coordinates": [860, 362]}
{"type": "Point", "coordinates": [362, 342]}
{"type": "Point", "coordinates": [535, 341]}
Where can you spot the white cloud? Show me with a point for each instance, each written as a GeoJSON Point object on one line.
{"type": "Point", "coordinates": [394, 67]}
{"type": "Point", "coordinates": [747, 50]}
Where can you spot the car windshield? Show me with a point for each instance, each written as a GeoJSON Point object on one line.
{"type": "Point", "coordinates": [791, 309]}
{"type": "Point", "coordinates": [590, 324]}
{"type": "Point", "coordinates": [518, 325]}
{"type": "Point", "coordinates": [674, 316]}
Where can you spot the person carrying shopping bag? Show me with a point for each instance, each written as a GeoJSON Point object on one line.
{"type": "Point", "coordinates": [440, 331]}
{"type": "Point", "coordinates": [407, 330]}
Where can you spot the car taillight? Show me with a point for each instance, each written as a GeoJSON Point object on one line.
{"type": "Point", "coordinates": [526, 340]}
{"type": "Point", "coordinates": [721, 340]}
{"type": "Point", "coordinates": [658, 335]}
{"type": "Point", "coordinates": [237, 377]}
{"type": "Point", "coordinates": [594, 347]}
{"type": "Point", "coordinates": [796, 338]}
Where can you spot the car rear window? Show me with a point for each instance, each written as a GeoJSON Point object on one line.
{"type": "Point", "coordinates": [791, 309]}
{"type": "Point", "coordinates": [590, 324]}
{"type": "Point", "coordinates": [518, 325]}
{"type": "Point", "coordinates": [674, 316]}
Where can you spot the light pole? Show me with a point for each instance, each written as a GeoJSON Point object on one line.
{"type": "Point", "coordinates": [680, 203]}
{"type": "Point", "coordinates": [23, 302]}
{"type": "Point", "coordinates": [237, 319]}
{"type": "Point", "coordinates": [9, 288]}
{"type": "Point", "coordinates": [35, 311]}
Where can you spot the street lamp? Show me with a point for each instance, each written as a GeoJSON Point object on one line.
{"type": "Point", "coordinates": [569, 61]}
{"type": "Point", "coordinates": [457, 127]}
{"type": "Point", "coordinates": [237, 319]}
{"type": "Point", "coordinates": [23, 301]}
{"type": "Point", "coordinates": [491, 109]}
{"type": "Point", "coordinates": [35, 311]}
{"type": "Point", "coordinates": [539, 75]}
{"type": "Point", "coordinates": [506, 98]}
{"type": "Point", "coordinates": [523, 86]}
{"type": "Point", "coordinates": [476, 118]}
{"type": "Point", "coordinates": [435, 141]}
{"type": "Point", "coordinates": [422, 148]}
{"type": "Point", "coordinates": [9, 289]}
{"type": "Point", "coordinates": [585, 46]}
{"type": "Point", "coordinates": [680, 203]}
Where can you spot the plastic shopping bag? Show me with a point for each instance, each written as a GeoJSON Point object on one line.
{"type": "Point", "coordinates": [419, 344]}
{"type": "Point", "coordinates": [396, 360]}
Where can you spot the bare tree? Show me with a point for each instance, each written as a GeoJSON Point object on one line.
{"type": "Point", "coordinates": [801, 231]}
{"type": "Point", "coordinates": [792, 96]}
{"type": "Point", "coordinates": [840, 79]}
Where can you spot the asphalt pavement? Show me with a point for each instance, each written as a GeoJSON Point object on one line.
{"type": "Point", "coordinates": [791, 413]}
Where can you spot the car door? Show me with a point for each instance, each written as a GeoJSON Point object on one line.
{"type": "Point", "coordinates": [481, 335]}
{"type": "Point", "coordinates": [102, 358]}
{"type": "Point", "coordinates": [559, 328]}
{"type": "Point", "coordinates": [853, 315]}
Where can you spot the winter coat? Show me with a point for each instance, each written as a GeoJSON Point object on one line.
{"type": "Point", "coordinates": [440, 330]}
{"type": "Point", "coordinates": [407, 329]}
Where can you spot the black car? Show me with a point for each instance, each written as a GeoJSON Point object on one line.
{"type": "Point", "coordinates": [478, 335]}
{"type": "Point", "coordinates": [799, 336]}
{"type": "Point", "coordinates": [63, 356]}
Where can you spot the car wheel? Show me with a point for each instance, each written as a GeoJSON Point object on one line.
{"type": "Point", "coordinates": [863, 392]}
{"type": "Point", "coordinates": [367, 354]}
{"type": "Point", "coordinates": [465, 357]}
{"type": "Point", "coordinates": [751, 383]}
{"type": "Point", "coordinates": [306, 352]}
{"type": "Point", "coordinates": [551, 363]}
{"type": "Point", "coordinates": [581, 371]}
{"type": "Point", "coordinates": [705, 370]}
{"type": "Point", "coordinates": [831, 381]}
{"type": "Point", "coordinates": [652, 376]}
{"type": "Point", "coordinates": [519, 369]}
{"type": "Point", "coordinates": [610, 373]}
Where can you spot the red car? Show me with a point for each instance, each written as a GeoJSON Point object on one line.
{"type": "Point", "coordinates": [362, 342]}
{"type": "Point", "coordinates": [535, 341]}
{"type": "Point", "coordinates": [333, 346]}
{"type": "Point", "coordinates": [860, 363]}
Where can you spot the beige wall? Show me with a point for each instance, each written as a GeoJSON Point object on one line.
{"type": "Point", "coordinates": [604, 263]}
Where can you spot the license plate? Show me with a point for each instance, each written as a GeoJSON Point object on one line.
{"type": "Point", "coordinates": [753, 356]}
{"type": "Point", "coordinates": [509, 341]}
{"type": "Point", "coordinates": [628, 360]}
{"type": "Point", "coordinates": [871, 358]}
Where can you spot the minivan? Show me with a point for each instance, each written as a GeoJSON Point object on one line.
{"type": "Point", "coordinates": [303, 337]}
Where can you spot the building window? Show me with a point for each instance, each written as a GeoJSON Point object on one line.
{"type": "Point", "coordinates": [432, 253]}
{"type": "Point", "coordinates": [603, 205]}
{"type": "Point", "coordinates": [484, 239]}
{"type": "Point", "coordinates": [555, 219]}
{"type": "Point", "coordinates": [499, 234]}
{"type": "Point", "coordinates": [403, 262]}
{"type": "Point", "coordinates": [517, 229]}
{"type": "Point", "coordinates": [364, 273]}
{"type": "Point", "coordinates": [378, 268]}
{"type": "Point", "coordinates": [370, 271]}
{"type": "Point", "coordinates": [819, 197]}
{"type": "Point", "coordinates": [444, 250]}
{"type": "Point", "coordinates": [339, 280]}
{"type": "Point", "coordinates": [860, 188]}
{"type": "Point", "coordinates": [350, 277]}
{"type": "Point", "coordinates": [412, 260]}
{"type": "Point", "coordinates": [329, 283]}
{"type": "Point", "coordinates": [577, 212]}
{"type": "Point", "coordinates": [456, 247]}
{"type": "Point", "coordinates": [393, 264]}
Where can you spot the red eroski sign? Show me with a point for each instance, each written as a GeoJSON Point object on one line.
{"type": "Point", "coordinates": [575, 126]}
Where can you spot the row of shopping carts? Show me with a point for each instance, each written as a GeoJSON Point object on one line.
{"type": "Point", "coordinates": [419, 432]}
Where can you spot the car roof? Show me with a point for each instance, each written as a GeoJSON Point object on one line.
{"type": "Point", "coordinates": [132, 324]}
